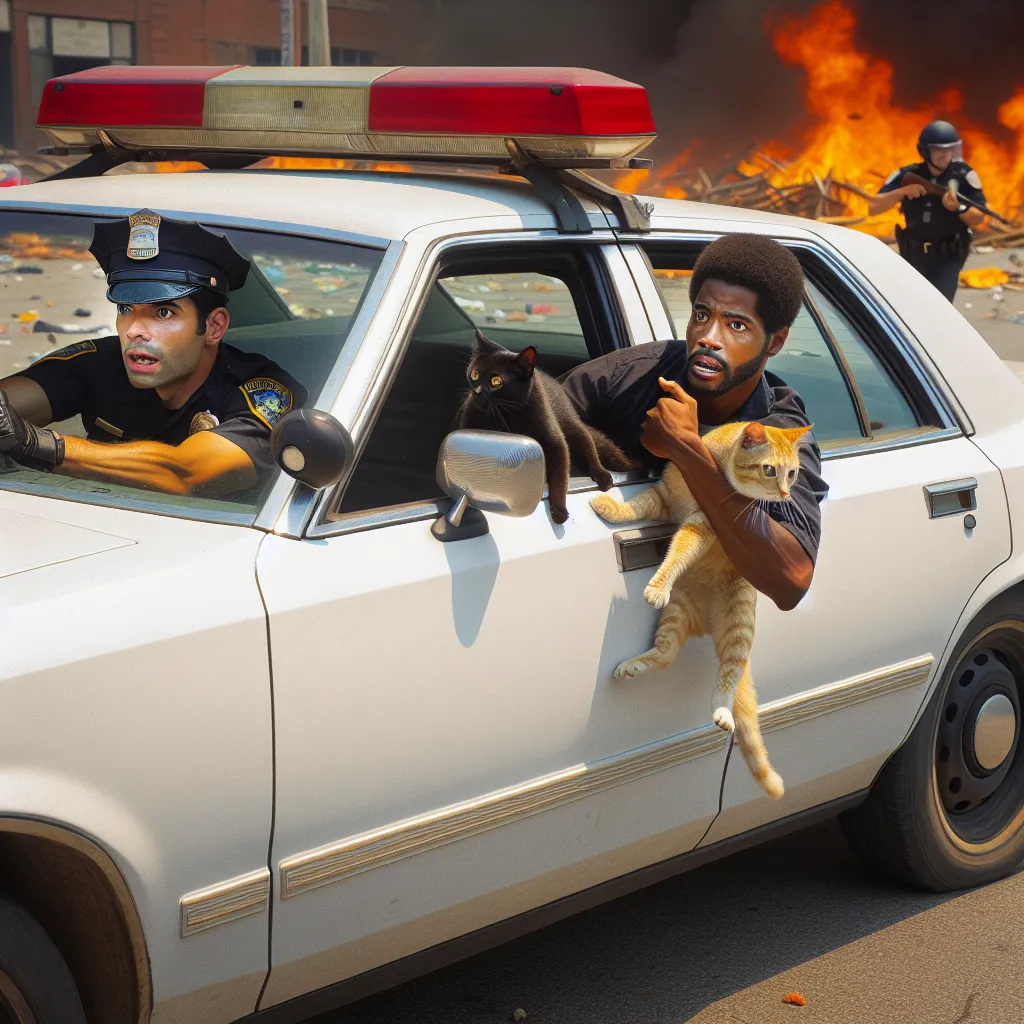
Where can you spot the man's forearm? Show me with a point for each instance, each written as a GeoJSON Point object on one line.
{"type": "Point", "coordinates": [204, 464]}
{"type": "Point", "coordinates": [766, 554]}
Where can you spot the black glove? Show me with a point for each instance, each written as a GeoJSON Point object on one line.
{"type": "Point", "coordinates": [33, 447]}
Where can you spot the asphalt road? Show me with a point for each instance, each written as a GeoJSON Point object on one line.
{"type": "Point", "coordinates": [724, 943]}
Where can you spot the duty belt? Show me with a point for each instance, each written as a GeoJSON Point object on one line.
{"type": "Point", "coordinates": [954, 246]}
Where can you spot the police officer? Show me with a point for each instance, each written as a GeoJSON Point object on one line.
{"type": "Point", "coordinates": [167, 404]}
{"type": "Point", "coordinates": [937, 237]}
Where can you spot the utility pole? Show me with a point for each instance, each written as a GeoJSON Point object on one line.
{"type": "Point", "coordinates": [319, 34]}
{"type": "Point", "coordinates": [288, 33]}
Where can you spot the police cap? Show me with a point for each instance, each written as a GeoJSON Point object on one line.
{"type": "Point", "coordinates": [938, 133]}
{"type": "Point", "coordinates": [149, 258]}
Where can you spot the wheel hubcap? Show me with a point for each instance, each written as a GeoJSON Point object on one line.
{"type": "Point", "coordinates": [978, 734]}
{"type": "Point", "coordinates": [995, 729]}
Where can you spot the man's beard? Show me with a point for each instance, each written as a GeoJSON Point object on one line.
{"type": "Point", "coordinates": [731, 376]}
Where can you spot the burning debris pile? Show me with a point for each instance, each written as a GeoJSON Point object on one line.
{"type": "Point", "coordinates": [855, 135]}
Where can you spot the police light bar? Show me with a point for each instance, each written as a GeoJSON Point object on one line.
{"type": "Point", "coordinates": [559, 116]}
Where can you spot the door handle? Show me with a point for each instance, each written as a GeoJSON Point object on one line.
{"type": "Point", "coordinates": [643, 547]}
{"type": "Point", "coordinates": [952, 497]}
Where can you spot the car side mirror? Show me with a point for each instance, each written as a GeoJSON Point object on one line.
{"type": "Point", "coordinates": [311, 446]}
{"type": "Point", "coordinates": [486, 471]}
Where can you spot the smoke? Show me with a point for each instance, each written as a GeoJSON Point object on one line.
{"type": "Point", "coordinates": [708, 65]}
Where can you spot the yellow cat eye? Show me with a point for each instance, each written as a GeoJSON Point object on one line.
{"type": "Point", "coordinates": [769, 470]}
{"type": "Point", "coordinates": [496, 381]}
{"type": "Point", "coordinates": [474, 374]}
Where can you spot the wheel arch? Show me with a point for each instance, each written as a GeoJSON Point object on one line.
{"type": "Point", "coordinates": [73, 888]}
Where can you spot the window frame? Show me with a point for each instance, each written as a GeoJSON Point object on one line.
{"type": "Point", "coordinates": [323, 519]}
{"type": "Point", "coordinates": [875, 328]}
{"type": "Point", "coordinates": [277, 498]}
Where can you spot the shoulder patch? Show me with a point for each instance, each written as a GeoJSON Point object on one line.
{"type": "Point", "coordinates": [268, 399]}
{"type": "Point", "coordinates": [79, 348]}
{"type": "Point", "coordinates": [972, 179]}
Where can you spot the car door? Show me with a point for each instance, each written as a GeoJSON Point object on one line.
{"type": "Point", "coordinates": [451, 749]}
{"type": "Point", "coordinates": [840, 677]}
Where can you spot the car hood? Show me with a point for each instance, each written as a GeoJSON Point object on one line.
{"type": "Point", "coordinates": [31, 542]}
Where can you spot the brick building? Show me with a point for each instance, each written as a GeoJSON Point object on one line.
{"type": "Point", "coordinates": [43, 38]}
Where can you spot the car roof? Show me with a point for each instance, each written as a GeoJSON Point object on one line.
{"type": "Point", "coordinates": [373, 204]}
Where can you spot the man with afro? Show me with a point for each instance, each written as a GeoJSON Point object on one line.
{"type": "Point", "coordinates": [656, 401]}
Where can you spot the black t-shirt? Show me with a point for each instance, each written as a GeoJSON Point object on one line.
{"type": "Point", "coordinates": [243, 397]}
{"type": "Point", "coordinates": [927, 219]}
{"type": "Point", "coordinates": [614, 392]}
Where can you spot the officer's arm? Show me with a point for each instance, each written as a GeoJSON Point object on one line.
{"type": "Point", "coordinates": [205, 464]}
{"type": "Point", "coordinates": [971, 217]}
{"type": "Point", "coordinates": [887, 200]}
{"type": "Point", "coordinates": [29, 399]}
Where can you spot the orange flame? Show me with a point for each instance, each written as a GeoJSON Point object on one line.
{"type": "Point", "coordinates": [857, 134]}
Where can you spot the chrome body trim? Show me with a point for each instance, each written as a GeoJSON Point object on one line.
{"type": "Point", "coordinates": [801, 707]}
{"type": "Point", "coordinates": [634, 313]}
{"type": "Point", "coordinates": [868, 446]}
{"type": "Point", "coordinates": [314, 868]}
{"type": "Point", "coordinates": [225, 901]}
{"type": "Point", "coordinates": [290, 505]}
{"type": "Point", "coordinates": [658, 315]}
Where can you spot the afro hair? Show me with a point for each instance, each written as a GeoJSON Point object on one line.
{"type": "Point", "coordinates": [761, 264]}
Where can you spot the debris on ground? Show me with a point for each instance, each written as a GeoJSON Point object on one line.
{"type": "Point", "coordinates": [983, 277]}
{"type": "Point", "coordinates": [794, 999]}
{"type": "Point", "coordinates": [81, 311]}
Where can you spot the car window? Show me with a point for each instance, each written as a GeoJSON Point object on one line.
{"type": "Point", "coordinates": [398, 465]}
{"type": "Point", "coordinates": [805, 363]}
{"type": "Point", "coordinates": [888, 410]}
{"type": "Point", "coordinates": [296, 309]}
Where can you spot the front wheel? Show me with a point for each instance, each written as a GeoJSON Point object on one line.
{"type": "Point", "coordinates": [947, 810]}
{"type": "Point", "coordinates": [36, 986]}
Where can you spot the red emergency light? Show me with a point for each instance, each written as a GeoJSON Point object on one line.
{"type": "Point", "coordinates": [563, 116]}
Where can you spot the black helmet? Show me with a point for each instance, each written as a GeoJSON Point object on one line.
{"type": "Point", "coordinates": [938, 133]}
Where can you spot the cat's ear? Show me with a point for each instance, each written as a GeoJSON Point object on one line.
{"type": "Point", "coordinates": [527, 360]}
{"type": "Point", "coordinates": [754, 435]}
{"type": "Point", "coordinates": [484, 344]}
{"type": "Point", "coordinates": [793, 434]}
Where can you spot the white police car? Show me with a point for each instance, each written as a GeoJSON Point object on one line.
{"type": "Point", "coordinates": [273, 755]}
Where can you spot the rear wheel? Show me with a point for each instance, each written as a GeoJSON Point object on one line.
{"type": "Point", "coordinates": [947, 810]}
{"type": "Point", "coordinates": [36, 986]}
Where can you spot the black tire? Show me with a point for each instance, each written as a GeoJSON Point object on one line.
{"type": "Point", "coordinates": [914, 826]}
{"type": "Point", "coordinates": [36, 986]}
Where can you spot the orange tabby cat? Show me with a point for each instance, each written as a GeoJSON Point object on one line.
{"type": "Point", "coordinates": [697, 587]}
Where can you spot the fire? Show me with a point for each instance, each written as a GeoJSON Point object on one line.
{"type": "Point", "coordinates": [855, 133]}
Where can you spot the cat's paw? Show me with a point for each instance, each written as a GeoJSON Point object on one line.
{"type": "Point", "coordinates": [559, 515]}
{"type": "Point", "coordinates": [607, 508]}
{"type": "Point", "coordinates": [604, 481]}
{"type": "Point", "coordinates": [723, 719]}
{"type": "Point", "coordinates": [657, 596]}
{"type": "Point", "coordinates": [631, 668]}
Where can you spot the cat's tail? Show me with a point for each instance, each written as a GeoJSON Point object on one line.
{"type": "Point", "coordinates": [611, 455]}
{"type": "Point", "coordinates": [748, 736]}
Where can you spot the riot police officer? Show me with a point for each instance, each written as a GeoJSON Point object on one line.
{"type": "Point", "coordinates": [167, 404]}
{"type": "Point", "coordinates": [936, 239]}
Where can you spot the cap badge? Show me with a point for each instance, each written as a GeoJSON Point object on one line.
{"type": "Point", "coordinates": [143, 235]}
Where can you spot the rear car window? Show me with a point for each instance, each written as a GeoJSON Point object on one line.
{"type": "Point", "coordinates": [296, 309]}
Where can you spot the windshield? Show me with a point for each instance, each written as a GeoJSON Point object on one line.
{"type": "Point", "coordinates": [293, 314]}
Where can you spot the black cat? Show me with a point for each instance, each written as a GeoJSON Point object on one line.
{"type": "Point", "coordinates": [508, 393]}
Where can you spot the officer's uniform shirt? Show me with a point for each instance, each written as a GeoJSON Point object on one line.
{"type": "Point", "coordinates": [614, 392]}
{"type": "Point", "coordinates": [927, 219]}
{"type": "Point", "coordinates": [243, 397]}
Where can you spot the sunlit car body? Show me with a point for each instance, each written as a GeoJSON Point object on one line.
{"type": "Point", "coordinates": [294, 750]}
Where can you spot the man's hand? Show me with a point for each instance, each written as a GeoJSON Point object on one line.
{"type": "Point", "coordinates": [911, 191]}
{"type": "Point", "coordinates": [671, 423]}
{"type": "Point", "coordinates": [950, 201]}
{"type": "Point", "coordinates": [31, 446]}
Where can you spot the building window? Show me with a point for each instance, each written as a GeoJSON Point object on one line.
{"type": "Point", "coordinates": [270, 56]}
{"type": "Point", "coordinates": [62, 46]}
